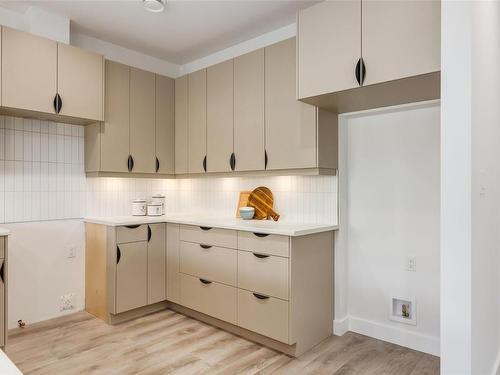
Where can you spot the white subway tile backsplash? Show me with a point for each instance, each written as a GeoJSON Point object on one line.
{"type": "Point", "coordinates": [43, 178]}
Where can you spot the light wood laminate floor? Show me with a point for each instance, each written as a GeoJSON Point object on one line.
{"type": "Point", "coordinates": [170, 343]}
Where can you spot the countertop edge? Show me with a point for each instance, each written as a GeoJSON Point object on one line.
{"type": "Point", "coordinates": [216, 224]}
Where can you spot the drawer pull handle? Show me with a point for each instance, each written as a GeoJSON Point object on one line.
{"type": "Point", "coordinates": [261, 234]}
{"type": "Point", "coordinates": [132, 226]}
{"type": "Point", "coordinates": [260, 296]}
{"type": "Point", "coordinates": [205, 281]}
{"type": "Point", "coordinates": [149, 233]}
{"type": "Point", "coordinates": [205, 228]}
{"type": "Point", "coordinates": [261, 256]}
{"type": "Point", "coordinates": [1, 272]}
{"type": "Point", "coordinates": [205, 246]}
{"type": "Point", "coordinates": [118, 255]}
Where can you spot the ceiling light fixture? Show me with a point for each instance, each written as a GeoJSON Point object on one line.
{"type": "Point", "coordinates": [155, 6]}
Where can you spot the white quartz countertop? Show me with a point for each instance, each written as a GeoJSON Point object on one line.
{"type": "Point", "coordinates": [259, 226]}
{"type": "Point", "coordinates": [4, 232]}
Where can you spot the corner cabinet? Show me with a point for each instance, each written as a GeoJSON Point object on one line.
{"type": "Point", "coordinates": [355, 55]}
{"type": "Point", "coordinates": [137, 135]}
{"type": "Point", "coordinates": [41, 77]}
{"type": "Point", "coordinates": [125, 270]}
{"type": "Point", "coordinates": [3, 290]}
{"type": "Point", "coordinates": [241, 116]}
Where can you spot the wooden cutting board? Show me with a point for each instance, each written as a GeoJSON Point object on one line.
{"type": "Point", "coordinates": [242, 201]}
{"type": "Point", "coordinates": [262, 200]}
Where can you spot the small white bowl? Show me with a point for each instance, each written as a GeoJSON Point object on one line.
{"type": "Point", "coordinates": [247, 213]}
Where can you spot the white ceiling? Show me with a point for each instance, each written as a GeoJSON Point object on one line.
{"type": "Point", "coordinates": [185, 31]}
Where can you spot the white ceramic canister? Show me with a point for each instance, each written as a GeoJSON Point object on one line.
{"type": "Point", "coordinates": [139, 207]}
{"type": "Point", "coordinates": [154, 209]}
{"type": "Point", "coordinates": [159, 198]}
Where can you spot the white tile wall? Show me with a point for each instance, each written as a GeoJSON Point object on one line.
{"type": "Point", "coordinates": [41, 169]}
{"type": "Point", "coordinates": [42, 177]}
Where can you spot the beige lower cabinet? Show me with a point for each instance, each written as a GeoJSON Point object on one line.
{"type": "Point", "coordinates": [3, 291]}
{"type": "Point", "coordinates": [124, 270]}
{"type": "Point", "coordinates": [273, 289]}
{"type": "Point", "coordinates": [156, 263]}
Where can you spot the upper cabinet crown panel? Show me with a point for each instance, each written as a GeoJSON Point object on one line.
{"type": "Point", "coordinates": [29, 71]}
{"type": "Point", "coordinates": [35, 70]}
{"type": "Point", "coordinates": [390, 47]}
{"type": "Point", "coordinates": [80, 82]}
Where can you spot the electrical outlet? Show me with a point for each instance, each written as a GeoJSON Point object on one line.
{"type": "Point", "coordinates": [72, 252]}
{"type": "Point", "coordinates": [67, 302]}
{"type": "Point", "coordinates": [411, 264]}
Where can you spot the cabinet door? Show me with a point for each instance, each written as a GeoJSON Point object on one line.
{"type": "Point", "coordinates": [173, 263]}
{"type": "Point", "coordinates": [165, 124]}
{"type": "Point", "coordinates": [249, 111]}
{"type": "Point", "coordinates": [131, 276]}
{"type": "Point", "coordinates": [219, 116]}
{"type": "Point", "coordinates": [3, 302]}
{"type": "Point", "coordinates": [29, 71]}
{"type": "Point", "coordinates": [400, 39]}
{"type": "Point", "coordinates": [115, 128]}
{"type": "Point", "coordinates": [181, 125]}
{"type": "Point", "coordinates": [197, 121]}
{"type": "Point", "coordinates": [80, 82]}
{"type": "Point", "coordinates": [329, 46]}
{"type": "Point", "coordinates": [290, 124]}
{"type": "Point", "coordinates": [156, 263]}
{"type": "Point", "coordinates": [142, 120]}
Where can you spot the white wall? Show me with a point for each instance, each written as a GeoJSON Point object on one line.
{"type": "Point", "coordinates": [389, 211]}
{"type": "Point", "coordinates": [470, 91]}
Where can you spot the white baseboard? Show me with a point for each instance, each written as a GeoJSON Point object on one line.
{"type": "Point", "coordinates": [341, 326]}
{"type": "Point", "coordinates": [395, 335]}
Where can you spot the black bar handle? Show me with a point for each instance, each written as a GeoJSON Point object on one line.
{"type": "Point", "coordinates": [261, 256]}
{"type": "Point", "coordinates": [1, 272]}
{"type": "Point", "coordinates": [261, 234]}
{"type": "Point", "coordinates": [360, 71]}
{"type": "Point", "coordinates": [157, 165]}
{"type": "Point", "coordinates": [205, 281]}
{"type": "Point", "coordinates": [232, 161]}
{"type": "Point", "coordinates": [132, 226]}
{"type": "Point", "coordinates": [149, 233]}
{"type": "Point", "coordinates": [205, 228]}
{"type": "Point", "coordinates": [265, 159]}
{"type": "Point", "coordinates": [205, 163]}
{"type": "Point", "coordinates": [118, 254]}
{"type": "Point", "coordinates": [205, 246]}
{"type": "Point", "coordinates": [57, 103]}
{"type": "Point", "coordinates": [130, 163]}
{"type": "Point", "coordinates": [260, 296]}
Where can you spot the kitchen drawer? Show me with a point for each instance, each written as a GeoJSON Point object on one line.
{"type": "Point", "coordinates": [209, 262]}
{"type": "Point", "coordinates": [267, 316]}
{"type": "Point", "coordinates": [264, 274]}
{"type": "Point", "coordinates": [211, 298]}
{"type": "Point", "coordinates": [209, 236]}
{"type": "Point", "coordinates": [131, 233]}
{"type": "Point", "coordinates": [271, 244]}
{"type": "Point", "coordinates": [2, 247]}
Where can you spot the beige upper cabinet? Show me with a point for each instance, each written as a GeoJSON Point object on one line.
{"type": "Point", "coordinates": [165, 131]}
{"type": "Point", "coordinates": [115, 138]}
{"type": "Point", "coordinates": [290, 124]}
{"type": "Point", "coordinates": [329, 46]}
{"type": "Point", "coordinates": [80, 82]}
{"type": "Point", "coordinates": [220, 117]}
{"type": "Point", "coordinates": [142, 121]}
{"type": "Point", "coordinates": [249, 111]}
{"type": "Point", "coordinates": [197, 121]}
{"type": "Point", "coordinates": [181, 125]}
{"type": "Point", "coordinates": [29, 71]}
{"type": "Point", "coordinates": [400, 39]}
